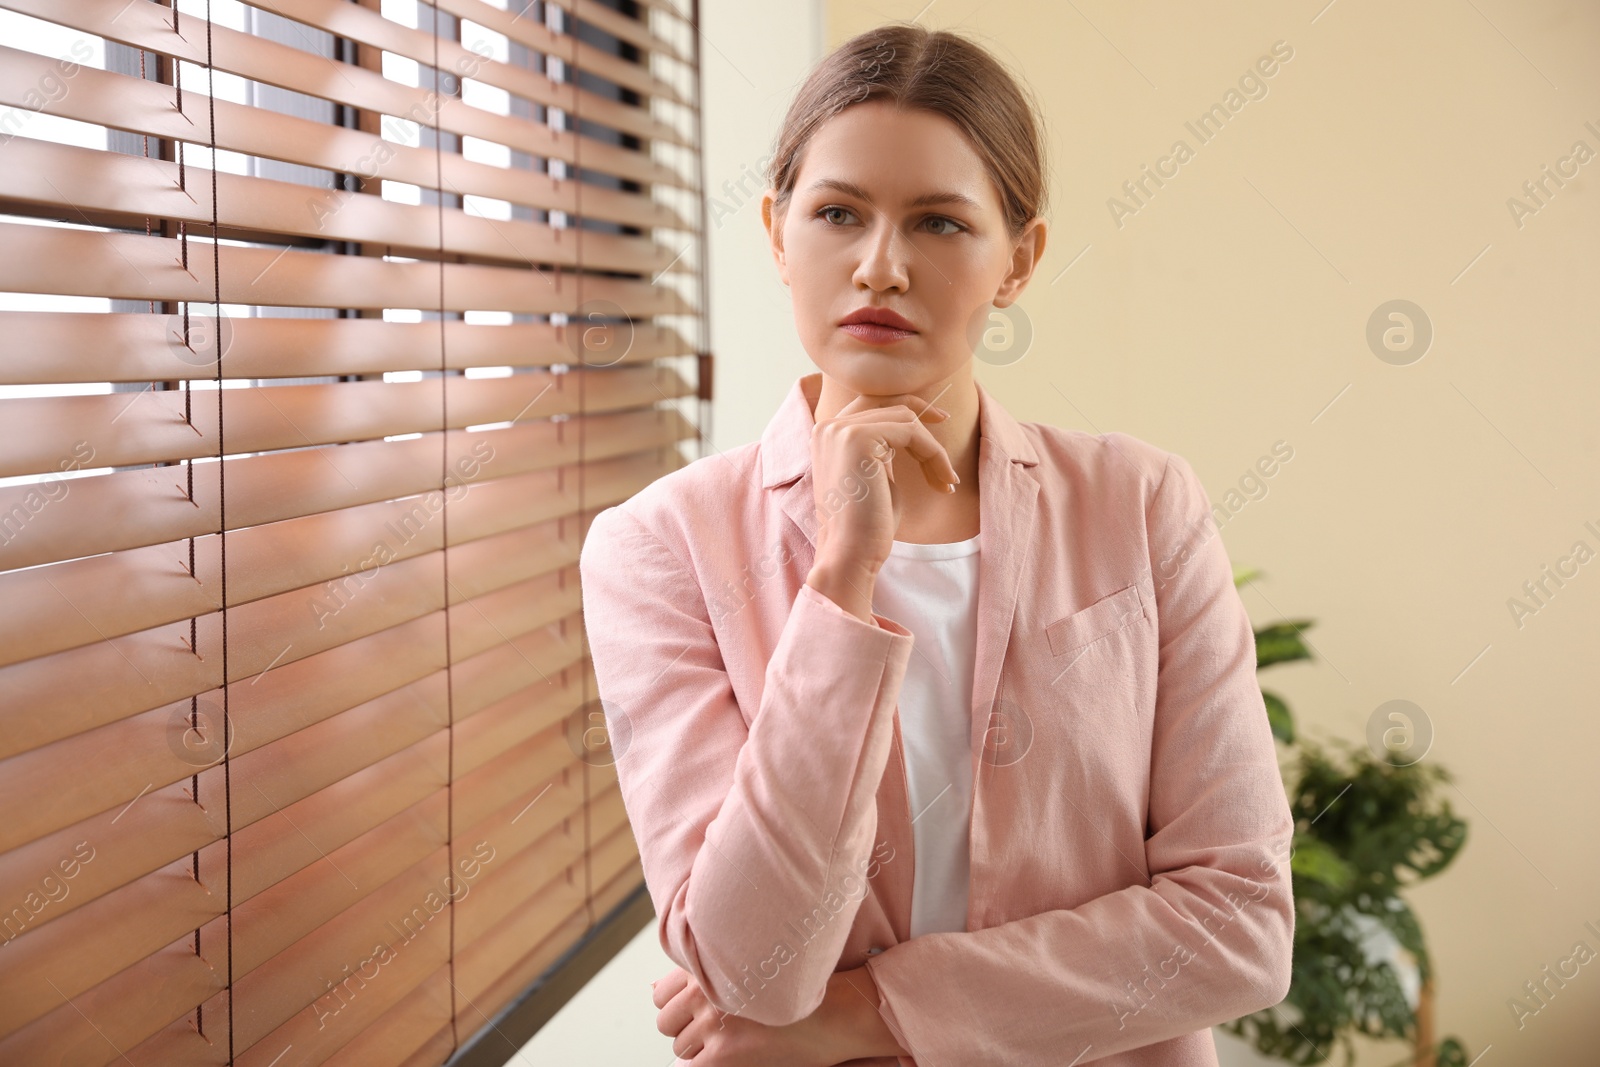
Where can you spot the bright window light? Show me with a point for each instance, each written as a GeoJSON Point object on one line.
{"type": "Point", "coordinates": [400, 69]}
{"type": "Point", "coordinates": [478, 150]}
{"type": "Point", "coordinates": [401, 193]}
{"type": "Point", "coordinates": [484, 207]}
{"type": "Point", "coordinates": [402, 11]}
{"type": "Point", "coordinates": [476, 37]}
{"type": "Point", "coordinates": [485, 97]}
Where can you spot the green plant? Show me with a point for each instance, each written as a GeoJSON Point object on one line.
{"type": "Point", "coordinates": [1365, 829]}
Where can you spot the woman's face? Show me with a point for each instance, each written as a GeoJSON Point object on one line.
{"type": "Point", "coordinates": [894, 209]}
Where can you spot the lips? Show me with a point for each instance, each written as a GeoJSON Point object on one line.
{"type": "Point", "coordinates": [877, 326]}
{"type": "Point", "coordinates": [873, 334]}
{"type": "Point", "coordinates": [874, 316]}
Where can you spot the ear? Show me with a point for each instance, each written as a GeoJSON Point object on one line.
{"type": "Point", "coordinates": [774, 224]}
{"type": "Point", "coordinates": [1025, 257]}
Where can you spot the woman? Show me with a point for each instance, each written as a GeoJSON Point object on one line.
{"type": "Point", "coordinates": [902, 600]}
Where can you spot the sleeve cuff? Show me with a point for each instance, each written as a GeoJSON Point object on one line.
{"type": "Point", "coordinates": [880, 622]}
{"type": "Point", "coordinates": [872, 964]}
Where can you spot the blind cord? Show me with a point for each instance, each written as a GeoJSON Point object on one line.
{"type": "Point", "coordinates": [222, 518]}
{"type": "Point", "coordinates": [444, 534]}
{"type": "Point", "coordinates": [577, 205]}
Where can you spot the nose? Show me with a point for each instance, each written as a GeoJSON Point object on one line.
{"type": "Point", "coordinates": [884, 259]}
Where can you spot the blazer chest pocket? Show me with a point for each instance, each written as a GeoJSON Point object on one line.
{"type": "Point", "coordinates": [1105, 616]}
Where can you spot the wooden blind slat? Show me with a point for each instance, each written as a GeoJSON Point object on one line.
{"type": "Point", "coordinates": [136, 187]}
{"type": "Point", "coordinates": [417, 1026]}
{"type": "Point", "coordinates": [92, 943]}
{"type": "Point", "coordinates": [293, 68]}
{"type": "Point", "coordinates": [120, 1013]}
{"type": "Point", "coordinates": [496, 950]}
{"type": "Point", "coordinates": [156, 669]}
{"type": "Point", "coordinates": [48, 346]}
{"type": "Point", "coordinates": [502, 889]}
{"type": "Point", "coordinates": [291, 752]}
{"type": "Point", "coordinates": [144, 107]}
{"type": "Point", "coordinates": [287, 837]}
{"type": "Point", "coordinates": [287, 767]}
{"type": "Point", "coordinates": [290, 627]}
{"type": "Point", "coordinates": [368, 27]}
{"type": "Point", "coordinates": [160, 504]}
{"type": "Point", "coordinates": [166, 425]}
{"type": "Point", "coordinates": [44, 259]}
{"type": "Point", "coordinates": [634, 32]}
{"type": "Point", "coordinates": [332, 549]}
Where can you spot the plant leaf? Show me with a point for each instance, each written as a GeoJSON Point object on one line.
{"type": "Point", "coordinates": [1280, 642]}
{"type": "Point", "coordinates": [1279, 716]}
{"type": "Point", "coordinates": [1314, 860]}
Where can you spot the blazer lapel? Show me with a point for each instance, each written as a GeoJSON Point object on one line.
{"type": "Point", "coordinates": [786, 463]}
{"type": "Point", "coordinates": [800, 504]}
{"type": "Point", "coordinates": [1007, 498]}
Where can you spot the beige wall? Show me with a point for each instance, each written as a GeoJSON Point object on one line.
{"type": "Point", "coordinates": [1229, 312]}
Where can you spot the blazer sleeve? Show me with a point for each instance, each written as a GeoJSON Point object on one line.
{"type": "Point", "coordinates": [1211, 938]}
{"type": "Point", "coordinates": [746, 834]}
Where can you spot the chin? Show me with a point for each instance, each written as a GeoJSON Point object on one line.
{"type": "Point", "coordinates": [872, 373]}
{"type": "Point", "coordinates": [867, 369]}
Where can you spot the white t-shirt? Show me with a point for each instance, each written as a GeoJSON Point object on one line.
{"type": "Point", "coordinates": [932, 590]}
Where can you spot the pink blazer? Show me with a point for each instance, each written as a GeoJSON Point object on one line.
{"type": "Point", "coordinates": [1130, 832]}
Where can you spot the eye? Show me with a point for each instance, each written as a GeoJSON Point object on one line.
{"type": "Point", "coordinates": [825, 212]}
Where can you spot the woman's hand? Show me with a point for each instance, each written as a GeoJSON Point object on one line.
{"type": "Point", "coordinates": [852, 471]}
{"type": "Point", "coordinates": [710, 1038]}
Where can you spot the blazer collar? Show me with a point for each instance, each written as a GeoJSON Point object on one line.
{"type": "Point", "coordinates": [786, 442]}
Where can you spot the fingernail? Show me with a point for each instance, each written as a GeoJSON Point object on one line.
{"type": "Point", "coordinates": [941, 411]}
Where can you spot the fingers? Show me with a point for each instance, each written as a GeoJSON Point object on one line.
{"type": "Point", "coordinates": [911, 411]}
{"type": "Point", "coordinates": [910, 434]}
{"type": "Point", "coordinates": [677, 1008]}
{"type": "Point", "coordinates": [865, 402]}
{"type": "Point", "coordinates": [676, 996]}
{"type": "Point", "coordinates": [669, 986]}
{"type": "Point", "coordinates": [900, 427]}
{"type": "Point", "coordinates": [678, 1014]}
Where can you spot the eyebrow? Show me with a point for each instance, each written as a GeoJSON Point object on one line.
{"type": "Point", "coordinates": [925, 200]}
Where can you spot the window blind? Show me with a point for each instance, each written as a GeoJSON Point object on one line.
{"type": "Point", "coordinates": [328, 326]}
